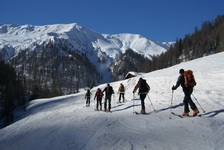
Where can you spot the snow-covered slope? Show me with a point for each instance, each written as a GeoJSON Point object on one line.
{"type": "Point", "coordinates": [65, 123]}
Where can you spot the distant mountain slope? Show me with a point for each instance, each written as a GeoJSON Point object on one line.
{"type": "Point", "coordinates": [69, 51]}
{"type": "Point", "coordinates": [81, 38]}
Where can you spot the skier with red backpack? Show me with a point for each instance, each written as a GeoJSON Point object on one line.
{"type": "Point", "coordinates": [144, 88]}
{"type": "Point", "coordinates": [187, 81]}
{"type": "Point", "coordinates": [98, 97]}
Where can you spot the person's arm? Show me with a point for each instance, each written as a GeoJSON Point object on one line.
{"type": "Point", "coordinates": [179, 80]}
{"type": "Point", "coordinates": [136, 87]}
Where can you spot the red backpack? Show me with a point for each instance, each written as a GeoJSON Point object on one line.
{"type": "Point", "coordinates": [99, 94]}
{"type": "Point", "coordinates": [189, 79]}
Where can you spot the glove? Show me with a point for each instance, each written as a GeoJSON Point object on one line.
{"type": "Point", "coordinates": [174, 88]}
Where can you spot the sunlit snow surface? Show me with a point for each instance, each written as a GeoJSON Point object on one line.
{"type": "Point", "coordinates": [64, 123]}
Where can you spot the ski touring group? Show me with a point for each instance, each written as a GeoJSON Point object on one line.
{"type": "Point", "coordinates": [186, 80]}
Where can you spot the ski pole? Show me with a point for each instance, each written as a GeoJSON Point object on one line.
{"type": "Point", "coordinates": [114, 98]}
{"type": "Point", "coordinates": [94, 102]}
{"type": "Point", "coordinates": [151, 102]}
{"type": "Point", "coordinates": [171, 105]}
{"type": "Point", "coordinates": [133, 103]}
{"type": "Point", "coordinates": [198, 102]}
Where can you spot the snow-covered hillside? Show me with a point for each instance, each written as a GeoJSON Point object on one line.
{"type": "Point", "coordinates": [64, 123]}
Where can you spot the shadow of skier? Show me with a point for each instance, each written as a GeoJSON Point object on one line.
{"type": "Point", "coordinates": [213, 113]}
{"type": "Point", "coordinates": [126, 107]}
{"type": "Point", "coordinates": [173, 107]}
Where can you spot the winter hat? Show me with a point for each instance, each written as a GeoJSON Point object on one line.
{"type": "Point", "coordinates": [181, 71]}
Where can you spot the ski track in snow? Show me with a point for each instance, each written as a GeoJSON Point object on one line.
{"type": "Point", "coordinates": [64, 123]}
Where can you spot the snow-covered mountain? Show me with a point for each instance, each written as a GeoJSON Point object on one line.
{"type": "Point", "coordinates": [81, 38]}
{"type": "Point", "coordinates": [69, 51]}
{"type": "Point", "coordinates": [16, 38]}
{"type": "Point", "coordinates": [64, 123]}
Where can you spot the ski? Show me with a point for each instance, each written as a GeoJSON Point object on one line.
{"type": "Point", "coordinates": [107, 111]}
{"type": "Point", "coordinates": [177, 115]}
{"type": "Point", "coordinates": [138, 113]}
{"type": "Point", "coordinates": [181, 116]}
{"type": "Point", "coordinates": [98, 110]}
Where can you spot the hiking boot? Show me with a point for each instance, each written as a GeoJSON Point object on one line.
{"type": "Point", "coordinates": [196, 111]}
{"type": "Point", "coordinates": [185, 114]}
{"type": "Point", "coordinates": [143, 111]}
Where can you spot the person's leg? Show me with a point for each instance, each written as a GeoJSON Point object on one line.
{"type": "Point", "coordinates": [123, 97]}
{"type": "Point", "coordinates": [89, 101]}
{"type": "Point", "coordinates": [109, 101]}
{"type": "Point", "coordinates": [188, 93]}
{"type": "Point", "coordinates": [97, 103]}
{"type": "Point", "coordinates": [120, 98]}
{"type": "Point", "coordinates": [100, 101]}
{"type": "Point", "coordinates": [105, 104]}
{"type": "Point", "coordinates": [186, 107]}
{"type": "Point", "coordinates": [142, 97]}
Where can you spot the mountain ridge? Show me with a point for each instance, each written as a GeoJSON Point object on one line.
{"type": "Point", "coordinates": [74, 33]}
{"type": "Point", "coordinates": [26, 46]}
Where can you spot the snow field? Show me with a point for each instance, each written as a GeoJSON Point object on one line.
{"type": "Point", "coordinates": [64, 123]}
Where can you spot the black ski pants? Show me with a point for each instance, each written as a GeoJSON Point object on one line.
{"type": "Point", "coordinates": [121, 95]}
{"type": "Point", "coordinates": [187, 100]}
{"type": "Point", "coordinates": [88, 101]}
{"type": "Point", "coordinates": [107, 98]}
{"type": "Point", "coordinates": [142, 98]}
{"type": "Point", "coordinates": [99, 103]}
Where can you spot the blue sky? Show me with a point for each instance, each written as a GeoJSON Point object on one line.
{"type": "Point", "coordinates": [159, 20]}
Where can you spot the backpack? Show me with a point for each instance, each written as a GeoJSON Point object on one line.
{"type": "Point", "coordinates": [122, 89]}
{"type": "Point", "coordinates": [88, 94]}
{"type": "Point", "coordinates": [143, 87]}
{"type": "Point", "coordinates": [99, 94]}
{"type": "Point", "coordinates": [189, 79]}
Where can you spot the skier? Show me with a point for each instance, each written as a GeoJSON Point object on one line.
{"type": "Point", "coordinates": [121, 90]}
{"type": "Point", "coordinates": [98, 97]}
{"type": "Point", "coordinates": [88, 96]}
{"type": "Point", "coordinates": [108, 92]}
{"type": "Point", "coordinates": [187, 92]}
{"type": "Point", "coordinates": [143, 91]}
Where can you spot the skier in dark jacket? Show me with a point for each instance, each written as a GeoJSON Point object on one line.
{"type": "Point", "coordinates": [143, 91]}
{"type": "Point", "coordinates": [108, 93]}
{"type": "Point", "coordinates": [88, 96]}
{"type": "Point", "coordinates": [98, 97]}
{"type": "Point", "coordinates": [187, 92]}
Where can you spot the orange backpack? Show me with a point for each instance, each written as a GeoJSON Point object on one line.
{"type": "Point", "coordinates": [189, 79]}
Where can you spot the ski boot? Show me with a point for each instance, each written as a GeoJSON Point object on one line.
{"type": "Point", "coordinates": [143, 111]}
{"type": "Point", "coordinates": [196, 111]}
{"type": "Point", "coordinates": [185, 114]}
